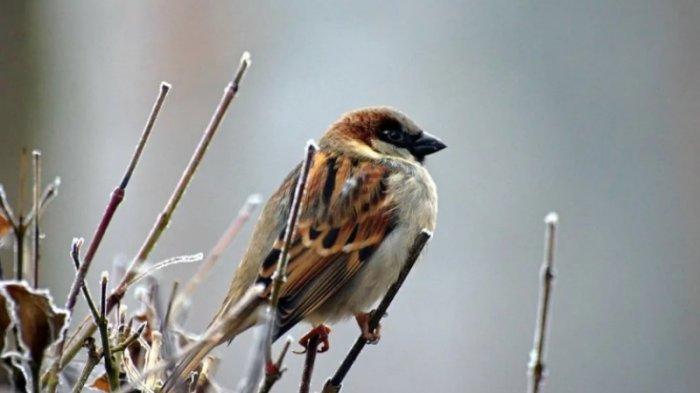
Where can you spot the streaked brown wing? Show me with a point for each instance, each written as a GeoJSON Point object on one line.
{"type": "Point", "coordinates": [345, 215]}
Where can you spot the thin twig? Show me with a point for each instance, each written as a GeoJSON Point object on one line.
{"type": "Point", "coordinates": [21, 226]}
{"type": "Point", "coordinates": [115, 199]}
{"type": "Point", "coordinates": [309, 361]}
{"type": "Point", "coordinates": [47, 196]}
{"type": "Point", "coordinates": [164, 217]}
{"type": "Point", "coordinates": [274, 371]}
{"type": "Point", "coordinates": [102, 326]}
{"type": "Point", "coordinates": [92, 360]}
{"type": "Point", "coordinates": [182, 302]}
{"type": "Point", "coordinates": [335, 382]}
{"type": "Point", "coordinates": [52, 381]}
{"type": "Point", "coordinates": [168, 342]}
{"type": "Point", "coordinates": [280, 275]}
{"type": "Point", "coordinates": [536, 366]}
{"type": "Point", "coordinates": [129, 340]}
{"type": "Point", "coordinates": [36, 155]}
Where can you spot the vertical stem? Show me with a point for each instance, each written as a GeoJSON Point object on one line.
{"type": "Point", "coordinates": [536, 366]}
{"type": "Point", "coordinates": [36, 155]}
{"type": "Point", "coordinates": [19, 249]}
{"type": "Point", "coordinates": [112, 373]}
{"type": "Point", "coordinates": [279, 276]}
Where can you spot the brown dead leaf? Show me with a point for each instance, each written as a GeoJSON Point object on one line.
{"type": "Point", "coordinates": [100, 383]}
{"type": "Point", "coordinates": [5, 226]}
{"type": "Point", "coordinates": [4, 321]}
{"type": "Point", "coordinates": [39, 322]}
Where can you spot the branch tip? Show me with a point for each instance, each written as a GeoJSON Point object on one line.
{"type": "Point", "coordinates": [551, 219]}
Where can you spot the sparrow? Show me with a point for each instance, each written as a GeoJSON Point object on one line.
{"type": "Point", "coordinates": [368, 195]}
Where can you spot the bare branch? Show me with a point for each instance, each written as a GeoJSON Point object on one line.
{"type": "Point", "coordinates": [309, 361]}
{"type": "Point", "coordinates": [92, 360]}
{"type": "Point", "coordinates": [335, 382]}
{"type": "Point", "coordinates": [280, 275]}
{"type": "Point", "coordinates": [536, 365]}
{"type": "Point", "coordinates": [102, 322]}
{"type": "Point", "coordinates": [163, 219]}
{"type": "Point", "coordinates": [115, 199]}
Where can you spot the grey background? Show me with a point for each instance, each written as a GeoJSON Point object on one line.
{"type": "Point", "coordinates": [586, 108]}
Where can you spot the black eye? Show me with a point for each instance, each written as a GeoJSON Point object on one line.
{"type": "Point", "coordinates": [393, 135]}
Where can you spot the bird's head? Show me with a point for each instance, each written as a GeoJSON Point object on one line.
{"type": "Point", "coordinates": [381, 132]}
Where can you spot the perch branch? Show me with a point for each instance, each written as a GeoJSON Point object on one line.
{"type": "Point", "coordinates": [309, 361]}
{"type": "Point", "coordinates": [335, 382]}
{"type": "Point", "coordinates": [536, 366]}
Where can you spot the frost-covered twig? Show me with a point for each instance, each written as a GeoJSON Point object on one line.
{"type": "Point", "coordinates": [182, 302]}
{"type": "Point", "coordinates": [335, 382]}
{"type": "Point", "coordinates": [536, 364]}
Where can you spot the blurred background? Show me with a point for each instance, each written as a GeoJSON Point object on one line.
{"type": "Point", "coordinates": [586, 108]}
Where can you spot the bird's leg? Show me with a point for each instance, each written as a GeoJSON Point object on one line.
{"type": "Point", "coordinates": [363, 321]}
{"type": "Point", "coordinates": [320, 335]}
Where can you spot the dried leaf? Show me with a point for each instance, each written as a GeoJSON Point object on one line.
{"type": "Point", "coordinates": [153, 358]}
{"type": "Point", "coordinates": [100, 383]}
{"type": "Point", "coordinates": [39, 322]}
{"type": "Point", "coordinates": [5, 227]}
{"type": "Point", "coordinates": [4, 321]}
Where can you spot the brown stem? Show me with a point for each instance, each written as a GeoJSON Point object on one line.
{"type": "Point", "coordinates": [102, 322]}
{"type": "Point", "coordinates": [335, 382]}
{"type": "Point", "coordinates": [536, 365]}
{"type": "Point", "coordinates": [115, 199]}
{"type": "Point", "coordinates": [309, 361]}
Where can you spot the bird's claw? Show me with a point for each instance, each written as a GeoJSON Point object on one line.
{"type": "Point", "coordinates": [372, 337]}
{"type": "Point", "coordinates": [320, 333]}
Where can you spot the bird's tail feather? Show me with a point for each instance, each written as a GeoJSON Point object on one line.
{"type": "Point", "coordinates": [224, 327]}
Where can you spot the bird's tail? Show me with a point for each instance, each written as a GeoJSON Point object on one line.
{"type": "Point", "coordinates": [230, 321]}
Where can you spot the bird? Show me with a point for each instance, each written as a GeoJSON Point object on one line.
{"type": "Point", "coordinates": [368, 194]}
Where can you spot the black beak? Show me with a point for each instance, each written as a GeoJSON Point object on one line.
{"type": "Point", "coordinates": [426, 144]}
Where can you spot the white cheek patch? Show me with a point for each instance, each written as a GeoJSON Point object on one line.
{"type": "Point", "coordinates": [391, 150]}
